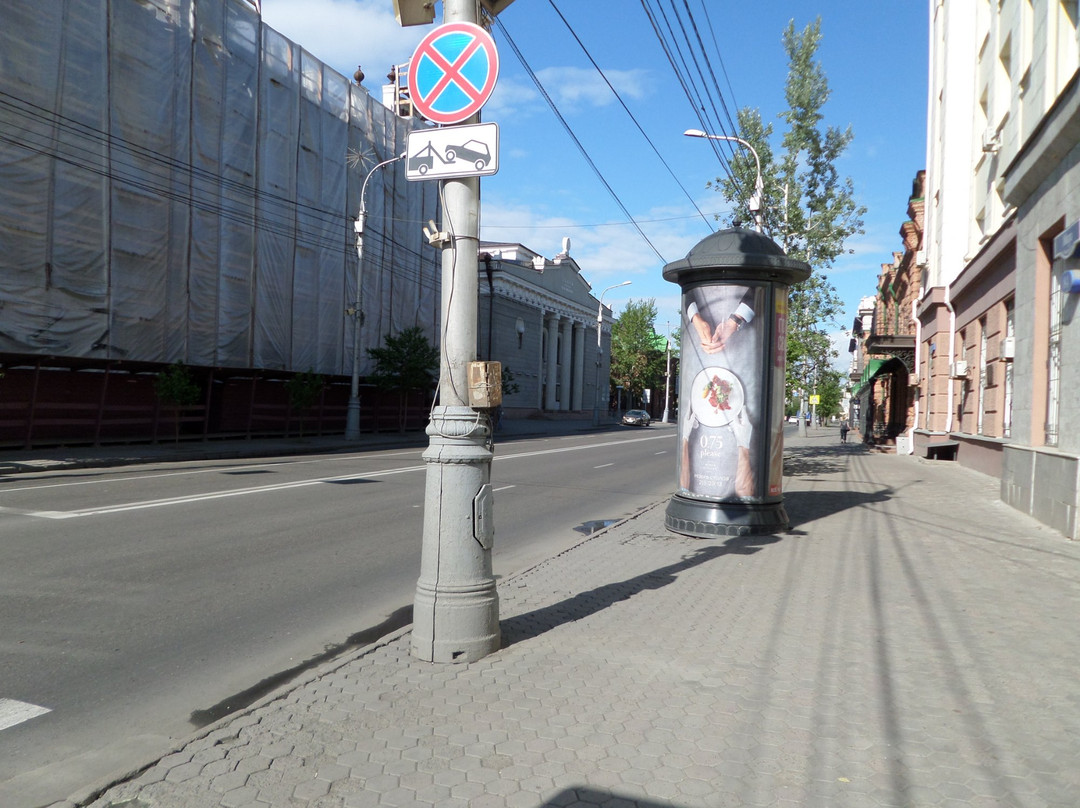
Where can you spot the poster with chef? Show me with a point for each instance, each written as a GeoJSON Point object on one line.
{"type": "Point", "coordinates": [723, 364]}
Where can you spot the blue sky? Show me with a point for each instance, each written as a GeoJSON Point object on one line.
{"type": "Point", "coordinates": [873, 52]}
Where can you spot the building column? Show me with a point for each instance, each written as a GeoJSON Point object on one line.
{"type": "Point", "coordinates": [552, 362]}
{"type": "Point", "coordinates": [579, 366]}
{"type": "Point", "coordinates": [565, 345]}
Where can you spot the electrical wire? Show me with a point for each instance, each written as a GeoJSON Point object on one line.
{"type": "Point", "coordinates": [700, 99]}
{"type": "Point", "coordinates": [629, 113]}
{"type": "Point", "coordinates": [574, 137]}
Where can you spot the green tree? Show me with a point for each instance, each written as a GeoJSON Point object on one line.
{"type": "Point", "coordinates": [303, 390]}
{"type": "Point", "coordinates": [405, 363]}
{"type": "Point", "coordinates": [808, 207]}
{"type": "Point", "coordinates": [636, 360]}
{"type": "Point", "coordinates": [509, 383]}
{"type": "Point", "coordinates": [830, 388]}
{"type": "Point", "coordinates": [176, 389]}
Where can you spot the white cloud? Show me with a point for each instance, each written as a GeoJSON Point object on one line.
{"type": "Point", "coordinates": [607, 253]}
{"type": "Point", "coordinates": [346, 33]}
{"type": "Point", "coordinates": [576, 88]}
{"type": "Point", "coordinates": [572, 89]}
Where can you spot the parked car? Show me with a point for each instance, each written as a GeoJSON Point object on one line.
{"type": "Point", "coordinates": [636, 418]}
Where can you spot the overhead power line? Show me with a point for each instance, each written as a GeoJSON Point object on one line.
{"type": "Point", "coordinates": [705, 98]}
{"type": "Point", "coordinates": [618, 97]}
{"type": "Point", "coordinates": [574, 137]}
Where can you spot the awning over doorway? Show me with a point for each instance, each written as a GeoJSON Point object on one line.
{"type": "Point", "coordinates": [873, 369]}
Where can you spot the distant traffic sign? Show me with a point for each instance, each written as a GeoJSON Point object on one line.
{"type": "Point", "coordinates": [457, 151]}
{"type": "Point", "coordinates": [453, 72]}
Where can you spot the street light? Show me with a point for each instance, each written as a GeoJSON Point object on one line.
{"type": "Point", "coordinates": [352, 414]}
{"type": "Point", "coordinates": [599, 352]}
{"type": "Point", "coordinates": [759, 186]}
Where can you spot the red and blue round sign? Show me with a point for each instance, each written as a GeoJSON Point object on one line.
{"type": "Point", "coordinates": [453, 72]}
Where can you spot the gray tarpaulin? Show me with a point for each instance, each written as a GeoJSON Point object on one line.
{"type": "Point", "coordinates": [174, 187]}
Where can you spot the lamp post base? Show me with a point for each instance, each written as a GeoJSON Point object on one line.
{"type": "Point", "coordinates": [709, 520]}
{"type": "Point", "coordinates": [456, 606]}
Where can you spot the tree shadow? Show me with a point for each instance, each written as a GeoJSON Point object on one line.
{"type": "Point", "coordinates": [806, 461]}
{"type": "Point", "coordinates": [590, 796]}
{"type": "Point", "coordinates": [532, 624]}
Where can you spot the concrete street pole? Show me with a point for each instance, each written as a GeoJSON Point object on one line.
{"type": "Point", "coordinates": [456, 608]}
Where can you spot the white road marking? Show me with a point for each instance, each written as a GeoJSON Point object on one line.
{"type": "Point", "coordinates": [663, 452]}
{"type": "Point", "coordinates": [262, 489]}
{"type": "Point", "coordinates": [212, 470]}
{"type": "Point", "coordinates": [504, 488]}
{"type": "Point", "coordinates": [239, 492]}
{"type": "Point", "coordinates": [604, 466]}
{"type": "Point", "coordinates": [16, 712]}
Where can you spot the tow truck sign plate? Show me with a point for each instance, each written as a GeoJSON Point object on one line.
{"type": "Point", "coordinates": [456, 151]}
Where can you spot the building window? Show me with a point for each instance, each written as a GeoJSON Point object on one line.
{"type": "Point", "coordinates": [1053, 364]}
{"type": "Point", "coordinates": [1010, 336]}
{"type": "Point", "coordinates": [983, 344]}
{"type": "Point", "coordinates": [965, 388]}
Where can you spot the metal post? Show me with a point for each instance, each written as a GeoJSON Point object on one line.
{"type": "Point", "coordinates": [757, 198]}
{"type": "Point", "coordinates": [667, 380]}
{"type": "Point", "coordinates": [352, 414]}
{"type": "Point", "coordinates": [600, 351]}
{"type": "Point", "coordinates": [456, 607]}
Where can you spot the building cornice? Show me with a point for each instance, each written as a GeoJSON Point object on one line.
{"type": "Point", "coordinates": [1056, 134]}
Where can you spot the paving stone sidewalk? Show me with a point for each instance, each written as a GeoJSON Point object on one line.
{"type": "Point", "coordinates": [911, 641]}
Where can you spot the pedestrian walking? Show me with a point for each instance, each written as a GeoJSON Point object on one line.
{"type": "Point", "coordinates": [843, 430]}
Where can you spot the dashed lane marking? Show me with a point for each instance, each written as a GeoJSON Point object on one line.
{"type": "Point", "coordinates": [14, 712]}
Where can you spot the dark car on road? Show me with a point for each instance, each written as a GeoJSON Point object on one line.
{"type": "Point", "coordinates": [636, 418]}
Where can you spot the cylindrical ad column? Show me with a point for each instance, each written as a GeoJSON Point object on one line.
{"type": "Point", "coordinates": [731, 392]}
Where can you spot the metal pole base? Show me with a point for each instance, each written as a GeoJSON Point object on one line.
{"type": "Point", "coordinates": [456, 607]}
{"type": "Point", "coordinates": [709, 520]}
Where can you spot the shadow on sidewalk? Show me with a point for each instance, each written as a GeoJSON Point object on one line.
{"type": "Point", "coordinates": [806, 506]}
{"type": "Point", "coordinates": [533, 624]}
{"type": "Point", "coordinates": [803, 461]}
{"type": "Point", "coordinates": [593, 796]}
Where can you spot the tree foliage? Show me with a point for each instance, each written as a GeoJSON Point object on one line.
{"type": "Point", "coordinates": [303, 390]}
{"type": "Point", "coordinates": [637, 362]}
{"type": "Point", "coordinates": [405, 363]}
{"type": "Point", "coordinates": [808, 208]}
{"type": "Point", "coordinates": [830, 389]}
{"type": "Point", "coordinates": [176, 388]}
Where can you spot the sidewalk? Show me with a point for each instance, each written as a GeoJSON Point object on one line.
{"type": "Point", "coordinates": [911, 641]}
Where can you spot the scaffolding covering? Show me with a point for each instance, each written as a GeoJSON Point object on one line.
{"type": "Point", "coordinates": [174, 187]}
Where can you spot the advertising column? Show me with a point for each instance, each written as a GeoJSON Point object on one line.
{"type": "Point", "coordinates": [731, 394]}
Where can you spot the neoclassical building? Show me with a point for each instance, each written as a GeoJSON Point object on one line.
{"type": "Point", "coordinates": [539, 318]}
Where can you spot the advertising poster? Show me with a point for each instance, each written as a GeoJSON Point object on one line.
{"type": "Point", "coordinates": [778, 370]}
{"type": "Point", "coordinates": [724, 339]}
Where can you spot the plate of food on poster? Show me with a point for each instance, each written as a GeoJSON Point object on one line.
{"type": "Point", "coordinates": [717, 396]}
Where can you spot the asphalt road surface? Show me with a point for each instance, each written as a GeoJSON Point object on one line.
{"type": "Point", "coordinates": [138, 604]}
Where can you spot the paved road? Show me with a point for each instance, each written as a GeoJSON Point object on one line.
{"type": "Point", "coordinates": [139, 603]}
{"type": "Point", "coordinates": [909, 642]}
